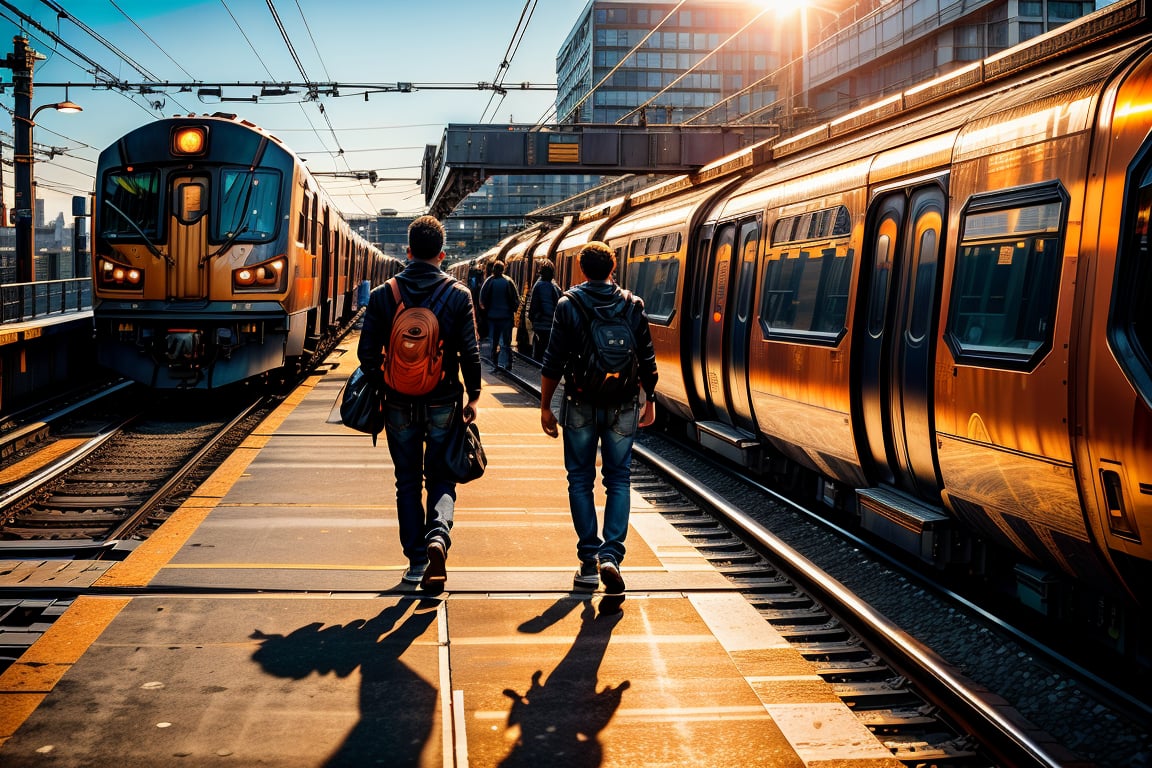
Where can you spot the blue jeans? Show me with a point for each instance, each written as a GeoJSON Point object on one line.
{"type": "Point", "coordinates": [613, 429]}
{"type": "Point", "coordinates": [416, 430]}
{"type": "Point", "coordinates": [501, 330]}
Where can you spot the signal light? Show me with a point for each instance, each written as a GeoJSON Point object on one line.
{"type": "Point", "coordinates": [189, 140]}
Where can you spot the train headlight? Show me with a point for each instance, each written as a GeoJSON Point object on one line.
{"type": "Point", "coordinates": [266, 276]}
{"type": "Point", "coordinates": [189, 140]}
{"type": "Point", "coordinates": [113, 275]}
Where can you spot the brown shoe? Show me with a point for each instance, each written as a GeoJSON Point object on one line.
{"type": "Point", "coordinates": [435, 574]}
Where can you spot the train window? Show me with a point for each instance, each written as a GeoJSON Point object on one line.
{"type": "Point", "coordinates": [1130, 327]}
{"type": "Point", "coordinates": [882, 272]}
{"type": "Point", "coordinates": [814, 225]}
{"type": "Point", "coordinates": [191, 199]}
{"type": "Point", "coordinates": [805, 293]}
{"type": "Point", "coordinates": [132, 205]}
{"type": "Point", "coordinates": [302, 222]}
{"type": "Point", "coordinates": [249, 205]}
{"type": "Point", "coordinates": [656, 281]}
{"type": "Point", "coordinates": [1003, 298]}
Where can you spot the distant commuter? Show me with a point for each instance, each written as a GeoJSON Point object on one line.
{"type": "Point", "coordinates": [417, 426]}
{"type": "Point", "coordinates": [499, 299]}
{"type": "Point", "coordinates": [600, 407]}
{"type": "Point", "coordinates": [541, 309]}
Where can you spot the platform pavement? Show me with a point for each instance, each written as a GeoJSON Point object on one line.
{"type": "Point", "coordinates": [266, 624]}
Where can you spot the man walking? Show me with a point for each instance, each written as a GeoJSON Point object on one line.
{"type": "Point", "coordinates": [417, 425]}
{"type": "Point", "coordinates": [542, 307]}
{"type": "Point", "coordinates": [499, 299]}
{"type": "Point", "coordinates": [600, 408]}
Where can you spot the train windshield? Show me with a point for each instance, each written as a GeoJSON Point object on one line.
{"type": "Point", "coordinates": [249, 205]}
{"type": "Point", "coordinates": [131, 205]}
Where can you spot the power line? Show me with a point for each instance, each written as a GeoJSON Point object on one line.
{"type": "Point", "coordinates": [576, 109]}
{"type": "Point", "coordinates": [245, 36]}
{"type": "Point", "coordinates": [62, 13]}
{"type": "Point", "coordinates": [692, 68]}
{"type": "Point", "coordinates": [509, 54]}
{"type": "Point", "coordinates": [149, 38]}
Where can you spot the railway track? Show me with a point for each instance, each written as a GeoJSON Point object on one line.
{"type": "Point", "coordinates": [939, 680]}
{"type": "Point", "coordinates": [108, 485]}
{"type": "Point", "coordinates": [101, 484]}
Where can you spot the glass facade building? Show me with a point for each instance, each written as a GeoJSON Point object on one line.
{"type": "Point", "coordinates": [725, 62]}
{"type": "Point", "coordinates": [678, 65]}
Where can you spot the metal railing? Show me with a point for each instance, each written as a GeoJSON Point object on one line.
{"type": "Point", "coordinates": [26, 301]}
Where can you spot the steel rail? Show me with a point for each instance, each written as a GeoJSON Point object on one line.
{"type": "Point", "coordinates": [132, 521]}
{"type": "Point", "coordinates": [1007, 740]}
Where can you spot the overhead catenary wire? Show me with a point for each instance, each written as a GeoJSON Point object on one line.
{"type": "Point", "coordinates": [576, 108]}
{"type": "Point", "coordinates": [509, 54]}
{"type": "Point", "coordinates": [693, 68]}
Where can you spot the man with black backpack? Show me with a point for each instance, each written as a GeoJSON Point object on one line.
{"type": "Point", "coordinates": [601, 346]}
{"type": "Point", "coordinates": [419, 339]}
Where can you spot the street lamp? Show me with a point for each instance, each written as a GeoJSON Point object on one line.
{"type": "Point", "coordinates": [25, 200]}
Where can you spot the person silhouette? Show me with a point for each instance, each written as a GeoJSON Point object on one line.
{"type": "Point", "coordinates": [397, 706]}
{"type": "Point", "coordinates": [559, 720]}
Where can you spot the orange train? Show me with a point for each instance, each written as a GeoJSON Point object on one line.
{"type": "Point", "coordinates": [217, 258]}
{"type": "Point", "coordinates": [934, 308]}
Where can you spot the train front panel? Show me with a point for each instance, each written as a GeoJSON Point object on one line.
{"type": "Point", "coordinates": [203, 254]}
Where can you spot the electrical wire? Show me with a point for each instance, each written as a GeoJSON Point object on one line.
{"type": "Point", "coordinates": [692, 68]}
{"type": "Point", "coordinates": [315, 47]}
{"type": "Point", "coordinates": [62, 13]}
{"type": "Point", "coordinates": [509, 53]}
{"type": "Point", "coordinates": [247, 39]}
{"type": "Point", "coordinates": [576, 109]}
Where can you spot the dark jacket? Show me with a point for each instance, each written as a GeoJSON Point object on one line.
{"type": "Point", "coordinates": [499, 297]}
{"type": "Point", "coordinates": [568, 328]}
{"type": "Point", "coordinates": [457, 329]}
{"type": "Point", "coordinates": [542, 305]}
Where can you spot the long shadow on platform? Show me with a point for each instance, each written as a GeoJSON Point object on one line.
{"type": "Point", "coordinates": [560, 720]}
{"type": "Point", "coordinates": [397, 706]}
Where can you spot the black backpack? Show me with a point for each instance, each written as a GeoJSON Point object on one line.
{"type": "Point", "coordinates": [607, 369]}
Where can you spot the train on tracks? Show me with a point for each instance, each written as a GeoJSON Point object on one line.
{"type": "Point", "coordinates": [217, 257]}
{"type": "Point", "coordinates": [933, 313]}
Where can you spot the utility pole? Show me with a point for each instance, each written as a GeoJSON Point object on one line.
{"type": "Point", "coordinates": [20, 61]}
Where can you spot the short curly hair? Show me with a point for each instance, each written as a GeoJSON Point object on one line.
{"type": "Point", "coordinates": [426, 237]}
{"type": "Point", "coordinates": [597, 260]}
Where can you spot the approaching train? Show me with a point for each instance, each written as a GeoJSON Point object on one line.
{"type": "Point", "coordinates": [935, 310]}
{"type": "Point", "coordinates": [216, 256]}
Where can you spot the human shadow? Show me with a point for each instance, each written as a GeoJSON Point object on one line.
{"type": "Point", "coordinates": [560, 720]}
{"type": "Point", "coordinates": [397, 706]}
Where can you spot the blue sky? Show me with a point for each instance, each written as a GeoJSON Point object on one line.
{"type": "Point", "coordinates": [346, 41]}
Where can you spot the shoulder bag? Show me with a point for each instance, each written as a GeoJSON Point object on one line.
{"type": "Point", "coordinates": [361, 407]}
{"type": "Point", "coordinates": [464, 457]}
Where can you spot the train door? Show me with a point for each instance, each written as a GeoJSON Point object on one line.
{"type": "Point", "coordinates": [696, 305]}
{"type": "Point", "coordinates": [188, 237]}
{"type": "Point", "coordinates": [896, 340]}
{"type": "Point", "coordinates": [731, 276]}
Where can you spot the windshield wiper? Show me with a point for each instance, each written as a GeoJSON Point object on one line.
{"type": "Point", "coordinates": [156, 252]}
{"type": "Point", "coordinates": [227, 244]}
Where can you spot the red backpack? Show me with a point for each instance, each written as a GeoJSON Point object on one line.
{"type": "Point", "coordinates": [414, 353]}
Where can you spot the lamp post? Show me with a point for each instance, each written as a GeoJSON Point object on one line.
{"type": "Point", "coordinates": [20, 61]}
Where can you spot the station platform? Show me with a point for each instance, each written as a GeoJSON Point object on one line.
{"type": "Point", "coordinates": [42, 354]}
{"type": "Point", "coordinates": [266, 623]}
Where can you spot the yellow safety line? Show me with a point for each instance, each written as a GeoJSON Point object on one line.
{"type": "Point", "coordinates": [42, 458]}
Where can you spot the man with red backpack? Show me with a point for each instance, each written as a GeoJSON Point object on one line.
{"type": "Point", "coordinates": [418, 341]}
